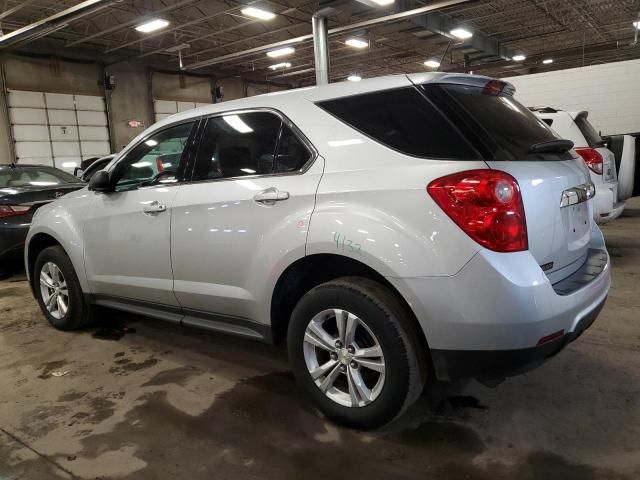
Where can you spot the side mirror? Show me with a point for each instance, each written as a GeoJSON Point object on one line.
{"type": "Point", "coordinates": [100, 182]}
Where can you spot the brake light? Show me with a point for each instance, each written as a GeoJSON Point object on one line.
{"type": "Point", "coordinates": [592, 158]}
{"type": "Point", "coordinates": [486, 205]}
{"type": "Point", "coordinates": [13, 210]}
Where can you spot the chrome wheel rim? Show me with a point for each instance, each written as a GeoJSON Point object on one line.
{"type": "Point", "coordinates": [53, 289]}
{"type": "Point", "coordinates": [344, 358]}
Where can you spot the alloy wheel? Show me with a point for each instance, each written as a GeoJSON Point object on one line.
{"type": "Point", "coordinates": [344, 358]}
{"type": "Point", "coordinates": [54, 291]}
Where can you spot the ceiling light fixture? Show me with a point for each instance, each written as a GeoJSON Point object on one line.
{"type": "Point", "coordinates": [152, 25]}
{"type": "Point", "coordinates": [258, 13]}
{"type": "Point", "coordinates": [547, 61]}
{"type": "Point", "coordinates": [383, 3]}
{"type": "Point", "coordinates": [357, 43]}
{"type": "Point", "coordinates": [354, 78]}
{"type": "Point", "coordinates": [519, 57]}
{"type": "Point", "coordinates": [432, 63]}
{"type": "Point", "coordinates": [461, 33]}
{"type": "Point", "coordinates": [280, 65]}
{"type": "Point", "coordinates": [281, 52]}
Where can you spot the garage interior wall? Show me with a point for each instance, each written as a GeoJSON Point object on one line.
{"type": "Point", "coordinates": [609, 92]}
{"type": "Point", "coordinates": [174, 93]}
{"type": "Point", "coordinates": [60, 121]}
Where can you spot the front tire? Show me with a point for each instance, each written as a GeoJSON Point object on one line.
{"type": "Point", "coordinates": [355, 350]}
{"type": "Point", "coordinates": [58, 290]}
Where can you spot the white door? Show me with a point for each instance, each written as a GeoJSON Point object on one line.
{"type": "Point", "coordinates": [127, 237]}
{"type": "Point", "coordinates": [245, 212]}
{"type": "Point", "coordinates": [58, 129]}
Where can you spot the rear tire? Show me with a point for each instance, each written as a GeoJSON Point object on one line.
{"type": "Point", "coordinates": [355, 350]}
{"type": "Point", "coordinates": [58, 290]}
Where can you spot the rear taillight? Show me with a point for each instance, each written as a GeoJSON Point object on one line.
{"type": "Point", "coordinates": [13, 210]}
{"type": "Point", "coordinates": [592, 158]}
{"type": "Point", "coordinates": [487, 205]}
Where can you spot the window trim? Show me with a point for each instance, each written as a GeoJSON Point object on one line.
{"type": "Point", "coordinates": [479, 157]}
{"type": "Point", "coordinates": [314, 154]}
{"type": "Point", "coordinates": [193, 135]}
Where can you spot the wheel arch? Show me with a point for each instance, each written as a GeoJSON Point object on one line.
{"type": "Point", "coordinates": [312, 270]}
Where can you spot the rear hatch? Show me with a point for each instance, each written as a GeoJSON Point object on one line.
{"type": "Point", "coordinates": [595, 141]}
{"type": "Point", "coordinates": [553, 179]}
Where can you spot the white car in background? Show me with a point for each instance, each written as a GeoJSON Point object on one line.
{"type": "Point", "coordinates": [589, 145]}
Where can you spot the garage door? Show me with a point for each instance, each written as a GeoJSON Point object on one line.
{"type": "Point", "coordinates": [58, 129]}
{"type": "Point", "coordinates": [164, 108]}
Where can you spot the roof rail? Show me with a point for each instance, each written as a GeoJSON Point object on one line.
{"type": "Point", "coordinates": [543, 109]}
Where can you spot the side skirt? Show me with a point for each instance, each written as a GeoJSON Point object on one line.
{"type": "Point", "coordinates": [214, 322]}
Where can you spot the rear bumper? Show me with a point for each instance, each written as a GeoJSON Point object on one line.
{"type": "Point", "coordinates": [606, 206]}
{"type": "Point", "coordinates": [12, 237]}
{"type": "Point", "coordinates": [493, 314]}
{"type": "Point", "coordinates": [496, 364]}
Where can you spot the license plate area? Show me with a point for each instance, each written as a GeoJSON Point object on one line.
{"type": "Point", "coordinates": [577, 224]}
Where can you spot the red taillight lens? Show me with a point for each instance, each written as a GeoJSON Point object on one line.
{"type": "Point", "coordinates": [13, 210]}
{"type": "Point", "coordinates": [487, 205]}
{"type": "Point", "coordinates": [592, 158]}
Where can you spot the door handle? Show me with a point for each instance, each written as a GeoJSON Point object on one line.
{"type": "Point", "coordinates": [154, 207]}
{"type": "Point", "coordinates": [270, 196]}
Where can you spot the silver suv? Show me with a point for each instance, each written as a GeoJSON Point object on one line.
{"type": "Point", "coordinates": [392, 231]}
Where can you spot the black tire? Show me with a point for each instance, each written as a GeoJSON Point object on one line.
{"type": "Point", "coordinates": [79, 314]}
{"type": "Point", "coordinates": [384, 314]}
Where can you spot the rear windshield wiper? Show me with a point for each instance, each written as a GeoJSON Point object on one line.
{"type": "Point", "coordinates": [552, 146]}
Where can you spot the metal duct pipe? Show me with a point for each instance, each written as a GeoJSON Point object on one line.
{"type": "Point", "coordinates": [321, 45]}
{"type": "Point", "coordinates": [51, 24]}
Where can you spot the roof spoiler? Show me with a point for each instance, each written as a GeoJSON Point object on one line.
{"type": "Point", "coordinates": [481, 81]}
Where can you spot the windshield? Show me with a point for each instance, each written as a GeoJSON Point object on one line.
{"type": "Point", "coordinates": [34, 177]}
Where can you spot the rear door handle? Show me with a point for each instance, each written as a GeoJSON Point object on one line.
{"type": "Point", "coordinates": [154, 207]}
{"type": "Point", "coordinates": [270, 196]}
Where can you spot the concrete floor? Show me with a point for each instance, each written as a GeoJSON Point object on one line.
{"type": "Point", "coordinates": [166, 403]}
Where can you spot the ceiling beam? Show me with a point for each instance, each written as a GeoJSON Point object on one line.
{"type": "Point", "coordinates": [395, 17]}
{"type": "Point", "coordinates": [53, 23]}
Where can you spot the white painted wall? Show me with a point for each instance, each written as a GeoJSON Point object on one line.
{"type": "Point", "coordinates": [609, 92]}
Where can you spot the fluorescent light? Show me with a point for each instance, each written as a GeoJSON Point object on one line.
{"type": "Point", "coordinates": [69, 164]}
{"type": "Point", "coordinates": [151, 142]}
{"type": "Point", "coordinates": [258, 13]}
{"type": "Point", "coordinates": [382, 3]}
{"type": "Point", "coordinates": [237, 123]}
{"type": "Point", "coordinates": [280, 65]}
{"type": "Point", "coordinates": [547, 61]}
{"type": "Point", "coordinates": [519, 57]}
{"type": "Point", "coordinates": [281, 52]}
{"type": "Point", "coordinates": [152, 25]}
{"type": "Point", "coordinates": [354, 78]}
{"type": "Point", "coordinates": [247, 170]}
{"type": "Point", "coordinates": [461, 33]}
{"type": "Point", "coordinates": [357, 43]}
{"type": "Point", "coordinates": [432, 63]}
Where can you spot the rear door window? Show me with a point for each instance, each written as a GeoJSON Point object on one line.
{"type": "Point", "coordinates": [404, 120]}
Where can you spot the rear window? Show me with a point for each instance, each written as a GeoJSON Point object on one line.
{"type": "Point", "coordinates": [590, 134]}
{"type": "Point", "coordinates": [511, 129]}
{"type": "Point", "coordinates": [34, 177]}
{"type": "Point", "coordinates": [404, 120]}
